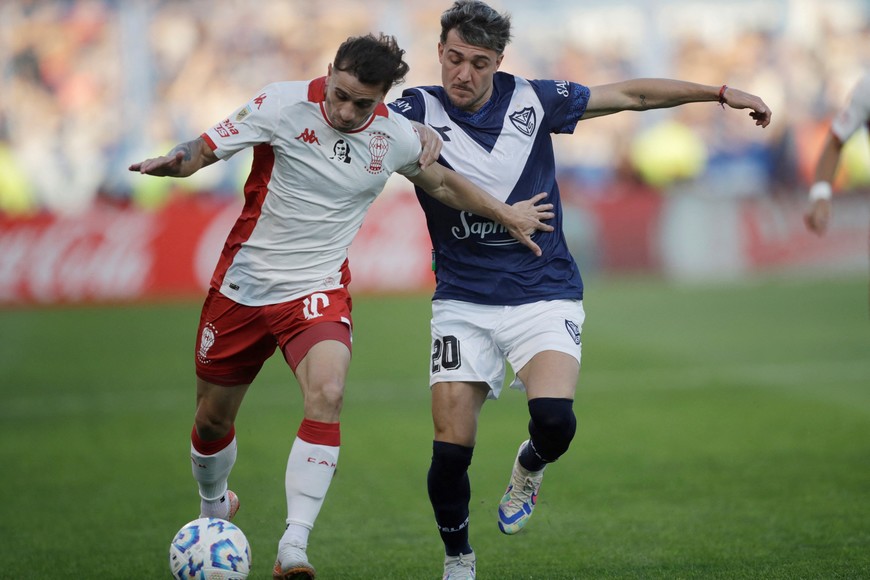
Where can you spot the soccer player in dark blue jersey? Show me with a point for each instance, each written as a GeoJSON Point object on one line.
{"type": "Point", "coordinates": [494, 301]}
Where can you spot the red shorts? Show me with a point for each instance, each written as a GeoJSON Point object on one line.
{"type": "Point", "coordinates": [233, 340]}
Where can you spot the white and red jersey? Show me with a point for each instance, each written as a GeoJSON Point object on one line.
{"type": "Point", "coordinates": [308, 192]}
{"type": "Point", "coordinates": [856, 113]}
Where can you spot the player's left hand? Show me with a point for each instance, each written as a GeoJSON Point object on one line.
{"type": "Point", "coordinates": [737, 99]}
{"type": "Point", "coordinates": [431, 142]}
{"type": "Point", "coordinates": [529, 217]}
{"type": "Point", "coordinates": [163, 166]}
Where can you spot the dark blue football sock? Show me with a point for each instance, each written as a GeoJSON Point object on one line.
{"type": "Point", "coordinates": [450, 493]}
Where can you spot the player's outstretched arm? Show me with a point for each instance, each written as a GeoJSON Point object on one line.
{"type": "Point", "coordinates": [521, 220]}
{"type": "Point", "coordinates": [645, 94]}
{"type": "Point", "coordinates": [818, 212]}
{"type": "Point", "coordinates": [185, 159]}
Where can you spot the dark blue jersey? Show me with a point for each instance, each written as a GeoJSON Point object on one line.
{"type": "Point", "coordinates": [507, 149]}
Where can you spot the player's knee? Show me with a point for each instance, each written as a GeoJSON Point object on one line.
{"type": "Point", "coordinates": [325, 402]}
{"type": "Point", "coordinates": [211, 426]}
{"type": "Point", "coordinates": [449, 459]}
{"type": "Point", "coordinates": [552, 426]}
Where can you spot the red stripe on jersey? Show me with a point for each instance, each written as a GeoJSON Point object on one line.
{"type": "Point", "coordinates": [256, 188]}
{"type": "Point", "coordinates": [318, 433]}
{"type": "Point", "coordinates": [208, 141]}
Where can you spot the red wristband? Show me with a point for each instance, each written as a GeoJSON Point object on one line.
{"type": "Point", "coordinates": [722, 95]}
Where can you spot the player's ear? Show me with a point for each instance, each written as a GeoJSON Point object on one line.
{"type": "Point", "coordinates": [498, 61]}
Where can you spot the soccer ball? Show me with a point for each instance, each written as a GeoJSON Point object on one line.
{"type": "Point", "coordinates": [209, 549]}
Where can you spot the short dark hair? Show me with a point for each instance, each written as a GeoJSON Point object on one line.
{"type": "Point", "coordinates": [478, 24]}
{"type": "Point", "coordinates": [372, 60]}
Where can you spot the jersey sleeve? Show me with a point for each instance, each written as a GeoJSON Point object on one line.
{"type": "Point", "coordinates": [251, 124]}
{"type": "Point", "coordinates": [564, 103]}
{"type": "Point", "coordinates": [410, 105]}
{"type": "Point", "coordinates": [410, 147]}
{"type": "Point", "coordinates": [856, 113]}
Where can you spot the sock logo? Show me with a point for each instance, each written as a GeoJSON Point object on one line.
{"type": "Point", "coordinates": [449, 529]}
{"type": "Point", "coordinates": [322, 462]}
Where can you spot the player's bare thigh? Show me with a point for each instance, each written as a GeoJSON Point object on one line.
{"type": "Point", "coordinates": [455, 411]}
{"type": "Point", "coordinates": [550, 373]}
{"type": "Point", "coordinates": [216, 408]}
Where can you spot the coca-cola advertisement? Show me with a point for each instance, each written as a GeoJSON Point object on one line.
{"type": "Point", "coordinates": [111, 254]}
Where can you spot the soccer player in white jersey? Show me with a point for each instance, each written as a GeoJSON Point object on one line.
{"type": "Point", "coordinates": [323, 150]}
{"type": "Point", "coordinates": [854, 116]}
{"type": "Point", "coordinates": [492, 302]}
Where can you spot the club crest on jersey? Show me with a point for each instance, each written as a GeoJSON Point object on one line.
{"type": "Point", "coordinates": [206, 341]}
{"type": "Point", "coordinates": [573, 330]}
{"type": "Point", "coordinates": [524, 120]}
{"type": "Point", "coordinates": [378, 147]}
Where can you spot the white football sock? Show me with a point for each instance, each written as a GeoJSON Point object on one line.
{"type": "Point", "coordinates": [211, 473]}
{"type": "Point", "coordinates": [310, 468]}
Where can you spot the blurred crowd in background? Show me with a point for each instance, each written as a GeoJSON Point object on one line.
{"type": "Point", "coordinates": [90, 86]}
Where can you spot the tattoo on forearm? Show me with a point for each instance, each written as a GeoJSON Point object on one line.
{"type": "Point", "coordinates": [185, 147]}
{"type": "Point", "coordinates": [643, 101]}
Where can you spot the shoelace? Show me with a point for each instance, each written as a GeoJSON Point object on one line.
{"type": "Point", "coordinates": [464, 562]}
{"type": "Point", "coordinates": [522, 494]}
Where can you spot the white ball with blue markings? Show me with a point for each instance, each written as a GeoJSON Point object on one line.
{"type": "Point", "coordinates": [209, 549]}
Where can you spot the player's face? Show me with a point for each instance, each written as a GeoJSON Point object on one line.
{"type": "Point", "coordinates": [349, 103]}
{"type": "Point", "coordinates": [466, 72]}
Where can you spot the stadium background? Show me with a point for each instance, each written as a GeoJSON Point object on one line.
{"type": "Point", "coordinates": [692, 192]}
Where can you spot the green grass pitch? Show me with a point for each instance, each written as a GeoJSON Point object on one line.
{"type": "Point", "coordinates": [724, 432]}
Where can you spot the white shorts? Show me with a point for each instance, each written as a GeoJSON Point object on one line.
{"type": "Point", "coordinates": [471, 342]}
